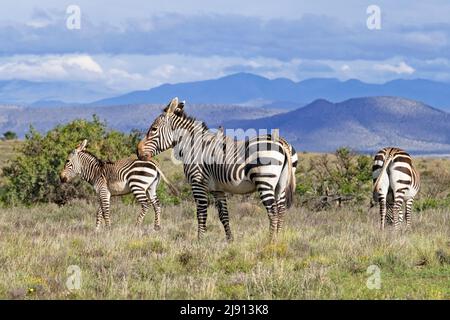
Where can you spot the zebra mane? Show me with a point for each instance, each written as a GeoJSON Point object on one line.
{"type": "Point", "coordinates": [100, 161]}
{"type": "Point", "coordinates": [191, 119]}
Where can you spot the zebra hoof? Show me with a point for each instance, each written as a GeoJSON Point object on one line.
{"type": "Point", "coordinates": [157, 227]}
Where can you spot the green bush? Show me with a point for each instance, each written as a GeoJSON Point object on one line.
{"type": "Point", "coordinates": [9, 135]}
{"type": "Point", "coordinates": [345, 174]}
{"type": "Point", "coordinates": [33, 176]}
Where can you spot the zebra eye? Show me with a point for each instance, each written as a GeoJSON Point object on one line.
{"type": "Point", "coordinates": [154, 130]}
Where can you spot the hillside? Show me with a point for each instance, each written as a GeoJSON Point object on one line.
{"type": "Point", "coordinates": [122, 117]}
{"type": "Point", "coordinates": [364, 124]}
{"type": "Point", "coordinates": [245, 87]}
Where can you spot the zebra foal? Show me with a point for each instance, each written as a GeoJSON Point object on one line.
{"type": "Point", "coordinates": [117, 178]}
{"type": "Point", "coordinates": [395, 182]}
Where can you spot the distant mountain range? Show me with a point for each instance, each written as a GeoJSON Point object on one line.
{"type": "Point", "coordinates": [363, 124]}
{"type": "Point", "coordinates": [245, 87]}
{"type": "Point", "coordinates": [396, 113]}
{"type": "Point", "coordinates": [241, 88]}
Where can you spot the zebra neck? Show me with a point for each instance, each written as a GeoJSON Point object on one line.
{"type": "Point", "coordinates": [188, 139]}
{"type": "Point", "coordinates": [91, 168]}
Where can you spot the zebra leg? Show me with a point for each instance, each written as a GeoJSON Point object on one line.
{"type": "Point", "coordinates": [105, 200]}
{"type": "Point", "coordinates": [408, 211]}
{"type": "Point", "coordinates": [400, 215]}
{"type": "Point", "coordinates": [382, 202]}
{"type": "Point", "coordinates": [267, 196]}
{"type": "Point", "coordinates": [389, 216]}
{"type": "Point", "coordinates": [200, 193]}
{"type": "Point", "coordinates": [221, 205]}
{"type": "Point", "coordinates": [154, 200]}
{"type": "Point", "coordinates": [395, 211]}
{"type": "Point", "coordinates": [157, 207]}
{"type": "Point", "coordinates": [281, 211]}
{"type": "Point", "coordinates": [141, 197]}
{"type": "Point", "coordinates": [99, 218]}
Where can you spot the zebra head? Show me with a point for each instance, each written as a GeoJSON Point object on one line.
{"type": "Point", "coordinates": [73, 167]}
{"type": "Point", "coordinates": [160, 135]}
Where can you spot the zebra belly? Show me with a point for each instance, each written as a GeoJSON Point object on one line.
{"type": "Point", "coordinates": [118, 188]}
{"type": "Point", "coordinates": [242, 187]}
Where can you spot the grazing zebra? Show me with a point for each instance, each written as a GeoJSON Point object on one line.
{"type": "Point", "coordinates": [218, 164]}
{"type": "Point", "coordinates": [395, 181]}
{"type": "Point", "coordinates": [118, 178]}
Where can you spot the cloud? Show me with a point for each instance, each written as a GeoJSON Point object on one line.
{"type": "Point", "coordinates": [50, 68]}
{"type": "Point", "coordinates": [165, 71]}
{"type": "Point", "coordinates": [40, 18]}
{"type": "Point", "coordinates": [310, 37]}
{"type": "Point", "coordinates": [401, 68]}
{"type": "Point", "coordinates": [72, 67]}
{"type": "Point", "coordinates": [314, 66]}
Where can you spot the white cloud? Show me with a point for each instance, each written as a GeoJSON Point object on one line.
{"type": "Point", "coordinates": [84, 62]}
{"type": "Point", "coordinates": [74, 67]}
{"type": "Point", "coordinates": [38, 23]}
{"type": "Point", "coordinates": [401, 68]}
{"type": "Point", "coordinates": [165, 71]}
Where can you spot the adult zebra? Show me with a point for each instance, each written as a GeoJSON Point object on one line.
{"type": "Point", "coordinates": [217, 164]}
{"type": "Point", "coordinates": [395, 181]}
{"type": "Point", "coordinates": [119, 178]}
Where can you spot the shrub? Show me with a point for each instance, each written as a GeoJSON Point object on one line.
{"type": "Point", "coordinates": [9, 135]}
{"type": "Point", "coordinates": [33, 176]}
{"type": "Point", "coordinates": [344, 174]}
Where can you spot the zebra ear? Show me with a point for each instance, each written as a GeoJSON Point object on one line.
{"type": "Point", "coordinates": [82, 145]}
{"type": "Point", "coordinates": [179, 108]}
{"type": "Point", "coordinates": [172, 106]}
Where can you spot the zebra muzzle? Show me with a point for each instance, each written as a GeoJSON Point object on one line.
{"type": "Point", "coordinates": [144, 156]}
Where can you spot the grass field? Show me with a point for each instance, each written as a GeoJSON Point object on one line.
{"type": "Point", "coordinates": [320, 255]}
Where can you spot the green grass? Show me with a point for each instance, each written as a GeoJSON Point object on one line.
{"type": "Point", "coordinates": [319, 256]}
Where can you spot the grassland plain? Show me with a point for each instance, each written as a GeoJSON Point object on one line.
{"type": "Point", "coordinates": [320, 255]}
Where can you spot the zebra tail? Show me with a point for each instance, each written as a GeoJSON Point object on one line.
{"type": "Point", "coordinates": [172, 188]}
{"type": "Point", "coordinates": [382, 172]}
{"type": "Point", "coordinates": [290, 187]}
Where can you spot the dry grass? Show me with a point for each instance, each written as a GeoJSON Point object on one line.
{"type": "Point", "coordinates": [319, 256]}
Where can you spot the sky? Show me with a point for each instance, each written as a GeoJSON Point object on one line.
{"type": "Point", "coordinates": [131, 45]}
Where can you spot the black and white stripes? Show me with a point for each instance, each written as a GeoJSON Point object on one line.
{"type": "Point", "coordinates": [214, 163]}
{"type": "Point", "coordinates": [119, 178]}
{"type": "Point", "coordinates": [395, 182]}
